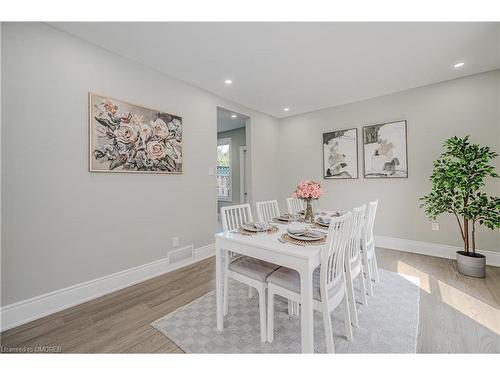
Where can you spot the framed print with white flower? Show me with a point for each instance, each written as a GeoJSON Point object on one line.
{"type": "Point", "coordinates": [385, 153]}
{"type": "Point", "coordinates": [340, 154]}
{"type": "Point", "coordinates": [124, 137]}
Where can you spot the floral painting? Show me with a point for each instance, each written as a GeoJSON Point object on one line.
{"type": "Point", "coordinates": [129, 138]}
{"type": "Point", "coordinates": [340, 154]}
{"type": "Point", "coordinates": [385, 150]}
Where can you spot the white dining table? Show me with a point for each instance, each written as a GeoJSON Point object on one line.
{"type": "Point", "coordinates": [303, 259]}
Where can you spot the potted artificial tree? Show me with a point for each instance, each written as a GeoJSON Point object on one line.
{"type": "Point", "coordinates": [457, 178]}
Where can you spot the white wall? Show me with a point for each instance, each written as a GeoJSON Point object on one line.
{"type": "Point", "coordinates": [459, 107]}
{"type": "Point", "coordinates": [62, 225]}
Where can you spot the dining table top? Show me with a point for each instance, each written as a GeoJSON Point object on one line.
{"type": "Point", "coordinates": [271, 241]}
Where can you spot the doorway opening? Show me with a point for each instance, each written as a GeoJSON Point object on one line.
{"type": "Point", "coordinates": [232, 160]}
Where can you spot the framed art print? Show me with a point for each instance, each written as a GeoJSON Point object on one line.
{"type": "Point", "coordinates": [340, 154]}
{"type": "Point", "coordinates": [125, 137]}
{"type": "Point", "coordinates": [385, 151]}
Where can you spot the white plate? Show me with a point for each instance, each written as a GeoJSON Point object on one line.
{"type": "Point", "coordinates": [251, 228]}
{"type": "Point", "coordinates": [305, 238]}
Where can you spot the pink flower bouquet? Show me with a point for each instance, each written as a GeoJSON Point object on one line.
{"type": "Point", "coordinates": [308, 190]}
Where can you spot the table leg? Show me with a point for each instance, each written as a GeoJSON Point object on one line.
{"type": "Point", "coordinates": [219, 285]}
{"type": "Point", "coordinates": [306, 313]}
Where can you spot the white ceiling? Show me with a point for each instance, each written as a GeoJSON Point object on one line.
{"type": "Point", "coordinates": [304, 66]}
{"type": "Point", "coordinates": [225, 122]}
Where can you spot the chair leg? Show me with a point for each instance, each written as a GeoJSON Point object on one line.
{"type": "Point", "coordinates": [351, 300]}
{"type": "Point", "coordinates": [250, 292]}
{"type": "Point", "coordinates": [327, 321]}
{"type": "Point", "coordinates": [290, 307]}
{"type": "Point", "coordinates": [296, 308]}
{"type": "Point", "coordinates": [347, 319]}
{"type": "Point", "coordinates": [226, 295]}
{"type": "Point", "coordinates": [270, 315]}
{"type": "Point", "coordinates": [262, 307]}
{"type": "Point", "coordinates": [375, 267]}
{"type": "Point", "coordinates": [363, 286]}
{"type": "Point", "coordinates": [368, 275]}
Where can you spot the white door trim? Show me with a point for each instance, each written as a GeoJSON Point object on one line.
{"type": "Point", "coordinates": [243, 190]}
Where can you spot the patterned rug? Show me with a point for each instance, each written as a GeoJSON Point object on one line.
{"type": "Point", "coordinates": [388, 324]}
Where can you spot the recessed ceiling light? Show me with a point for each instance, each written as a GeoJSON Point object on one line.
{"type": "Point", "coordinates": [228, 81]}
{"type": "Point", "coordinates": [458, 65]}
{"type": "Point", "coordinates": [234, 116]}
{"type": "Point", "coordinates": [286, 109]}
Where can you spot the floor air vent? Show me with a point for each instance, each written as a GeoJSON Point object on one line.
{"type": "Point", "coordinates": [180, 255]}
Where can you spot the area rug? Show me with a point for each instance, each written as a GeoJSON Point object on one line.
{"type": "Point", "coordinates": [388, 324]}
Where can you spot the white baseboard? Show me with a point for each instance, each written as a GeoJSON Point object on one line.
{"type": "Point", "coordinates": [34, 308]}
{"type": "Point", "coordinates": [432, 249]}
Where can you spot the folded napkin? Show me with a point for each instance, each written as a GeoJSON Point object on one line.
{"type": "Point", "coordinates": [262, 226]}
{"type": "Point", "coordinates": [296, 229]}
{"type": "Point", "coordinates": [314, 234]}
{"type": "Point", "coordinates": [305, 232]}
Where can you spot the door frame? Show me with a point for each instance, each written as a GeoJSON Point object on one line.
{"type": "Point", "coordinates": [248, 165]}
{"type": "Point", "coordinates": [243, 171]}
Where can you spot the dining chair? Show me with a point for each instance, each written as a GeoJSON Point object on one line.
{"type": "Point", "coordinates": [353, 262]}
{"type": "Point", "coordinates": [249, 271]}
{"type": "Point", "coordinates": [294, 205]}
{"type": "Point", "coordinates": [368, 247]}
{"type": "Point", "coordinates": [267, 210]}
{"type": "Point", "coordinates": [329, 284]}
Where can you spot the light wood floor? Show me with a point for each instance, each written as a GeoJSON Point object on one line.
{"type": "Point", "coordinates": [457, 313]}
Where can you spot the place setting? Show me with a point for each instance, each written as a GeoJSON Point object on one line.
{"type": "Point", "coordinates": [324, 218]}
{"type": "Point", "coordinates": [285, 218]}
{"type": "Point", "coordinates": [303, 236]}
{"type": "Point", "coordinates": [252, 229]}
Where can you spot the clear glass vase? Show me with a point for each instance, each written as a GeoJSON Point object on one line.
{"type": "Point", "coordinates": [309, 215]}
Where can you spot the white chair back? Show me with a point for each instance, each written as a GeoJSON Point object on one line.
{"type": "Point", "coordinates": [369, 223]}
{"type": "Point", "coordinates": [235, 216]}
{"type": "Point", "coordinates": [332, 257]}
{"type": "Point", "coordinates": [354, 242]}
{"type": "Point", "coordinates": [267, 210]}
{"type": "Point", "coordinates": [294, 205]}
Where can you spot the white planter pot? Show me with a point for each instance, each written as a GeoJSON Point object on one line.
{"type": "Point", "coordinates": [471, 265]}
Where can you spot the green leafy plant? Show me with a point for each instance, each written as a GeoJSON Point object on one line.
{"type": "Point", "coordinates": [457, 177]}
